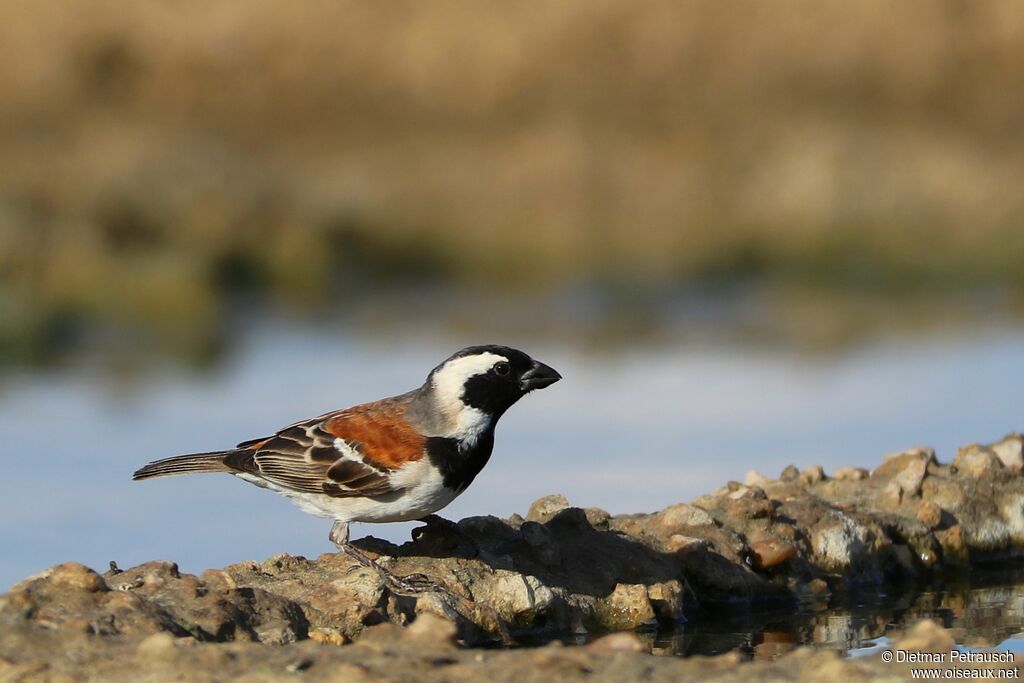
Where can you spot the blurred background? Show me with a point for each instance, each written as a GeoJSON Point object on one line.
{"type": "Point", "coordinates": [748, 235]}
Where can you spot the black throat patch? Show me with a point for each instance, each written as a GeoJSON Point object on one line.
{"type": "Point", "coordinates": [458, 466]}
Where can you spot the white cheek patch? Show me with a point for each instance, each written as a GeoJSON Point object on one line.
{"type": "Point", "coordinates": [466, 423]}
{"type": "Point", "coordinates": [451, 378]}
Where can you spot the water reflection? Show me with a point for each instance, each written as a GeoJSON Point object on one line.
{"type": "Point", "coordinates": [980, 616]}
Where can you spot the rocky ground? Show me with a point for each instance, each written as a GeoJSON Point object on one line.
{"type": "Point", "coordinates": [765, 543]}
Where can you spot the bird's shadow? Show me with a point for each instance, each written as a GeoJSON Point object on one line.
{"type": "Point", "coordinates": [577, 554]}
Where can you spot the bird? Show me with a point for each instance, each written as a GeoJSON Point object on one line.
{"type": "Point", "coordinates": [396, 459]}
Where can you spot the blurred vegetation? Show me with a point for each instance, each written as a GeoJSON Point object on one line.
{"type": "Point", "coordinates": [164, 161]}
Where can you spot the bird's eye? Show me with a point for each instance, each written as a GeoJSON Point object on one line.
{"type": "Point", "coordinates": [502, 368]}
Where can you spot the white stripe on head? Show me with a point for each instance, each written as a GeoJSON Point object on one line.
{"type": "Point", "coordinates": [467, 423]}
{"type": "Point", "coordinates": [450, 378]}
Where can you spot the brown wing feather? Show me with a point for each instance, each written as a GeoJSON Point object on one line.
{"type": "Point", "coordinates": [303, 457]}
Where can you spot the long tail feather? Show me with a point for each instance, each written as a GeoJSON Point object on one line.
{"type": "Point", "coordinates": [184, 464]}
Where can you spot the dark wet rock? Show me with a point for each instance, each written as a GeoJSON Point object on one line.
{"type": "Point", "coordinates": [747, 546]}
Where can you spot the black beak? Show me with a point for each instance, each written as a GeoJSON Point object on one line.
{"type": "Point", "coordinates": [538, 377]}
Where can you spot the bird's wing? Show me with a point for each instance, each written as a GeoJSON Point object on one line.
{"type": "Point", "coordinates": [349, 453]}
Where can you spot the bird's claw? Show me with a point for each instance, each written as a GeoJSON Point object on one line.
{"type": "Point", "coordinates": [413, 584]}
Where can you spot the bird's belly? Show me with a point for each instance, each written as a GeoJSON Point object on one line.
{"type": "Point", "coordinates": [420, 492]}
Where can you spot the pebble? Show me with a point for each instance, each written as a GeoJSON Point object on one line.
{"type": "Point", "coordinates": [770, 552]}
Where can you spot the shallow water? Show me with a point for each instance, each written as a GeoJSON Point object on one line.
{"type": "Point", "coordinates": [635, 429]}
{"type": "Point", "coordinates": [988, 615]}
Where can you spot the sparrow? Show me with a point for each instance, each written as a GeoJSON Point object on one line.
{"type": "Point", "coordinates": [393, 460]}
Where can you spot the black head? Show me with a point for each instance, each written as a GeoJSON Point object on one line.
{"type": "Point", "coordinates": [490, 378]}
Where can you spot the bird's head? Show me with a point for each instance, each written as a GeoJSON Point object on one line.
{"type": "Point", "coordinates": [476, 385]}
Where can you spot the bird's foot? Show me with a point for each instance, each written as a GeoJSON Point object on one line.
{"type": "Point", "coordinates": [414, 585]}
{"type": "Point", "coordinates": [409, 585]}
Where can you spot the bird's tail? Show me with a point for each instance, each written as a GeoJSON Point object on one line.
{"type": "Point", "coordinates": [184, 464]}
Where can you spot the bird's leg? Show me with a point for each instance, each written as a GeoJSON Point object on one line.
{"type": "Point", "coordinates": [412, 585]}
{"type": "Point", "coordinates": [418, 584]}
{"type": "Point", "coordinates": [339, 534]}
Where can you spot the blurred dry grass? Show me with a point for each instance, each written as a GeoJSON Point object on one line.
{"type": "Point", "coordinates": [158, 155]}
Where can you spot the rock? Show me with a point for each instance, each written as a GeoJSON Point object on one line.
{"type": "Point", "coordinates": [597, 517]}
{"type": "Point", "coordinates": [930, 515]}
{"type": "Point", "coordinates": [748, 492]}
{"type": "Point", "coordinates": [896, 463]}
{"type": "Point", "coordinates": [750, 508]}
{"type": "Point", "coordinates": [770, 552]}
{"type": "Point", "coordinates": [851, 474]}
{"type": "Point", "coordinates": [490, 527]}
{"type": "Point", "coordinates": [755, 478]}
{"type": "Point", "coordinates": [431, 628]}
{"type": "Point", "coordinates": [926, 453]}
{"type": "Point", "coordinates": [910, 477]}
{"type": "Point", "coordinates": [516, 597]}
{"type": "Point", "coordinates": [541, 539]}
{"type": "Point", "coordinates": [812, 475]}
{"type": "Point", "coordinates": [667, 599]}
{"type": "Point", "coordinates": [678, 517]}
{"type": "Point", "coordinates": [1010, 451]}
{"type": "Point", "coordinates": [547, 507]}
{"type": "Point", "coordinates": [790, 473]}
{"type": "Point", "coordinates": [627, 607]}
{"type": "Point", "coordinates": [76, 576]}
{"type": "Point", "coordinates": [954, 546]}
{"type": "Point", "coordinates": [891, 495]}
{"type": "Point", "coordinates": [327, 636]}
{"type": "Point", "coordinates": [945, 492]}
{"type": "Point", "coordinates": [839, 543]}
{"type": "Point", "coordinates": [1011, 508]}
{"type": "Point", "coordinates": [976, 461]}
{"type": "Point", "coordinates": [678, 542]}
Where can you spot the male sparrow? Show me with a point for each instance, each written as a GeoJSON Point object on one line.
{"type": "Point", "coordinates": [393, 460]}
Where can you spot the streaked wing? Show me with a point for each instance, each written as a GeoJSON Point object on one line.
{"type": "Point", "coordinates": [350, 453]}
